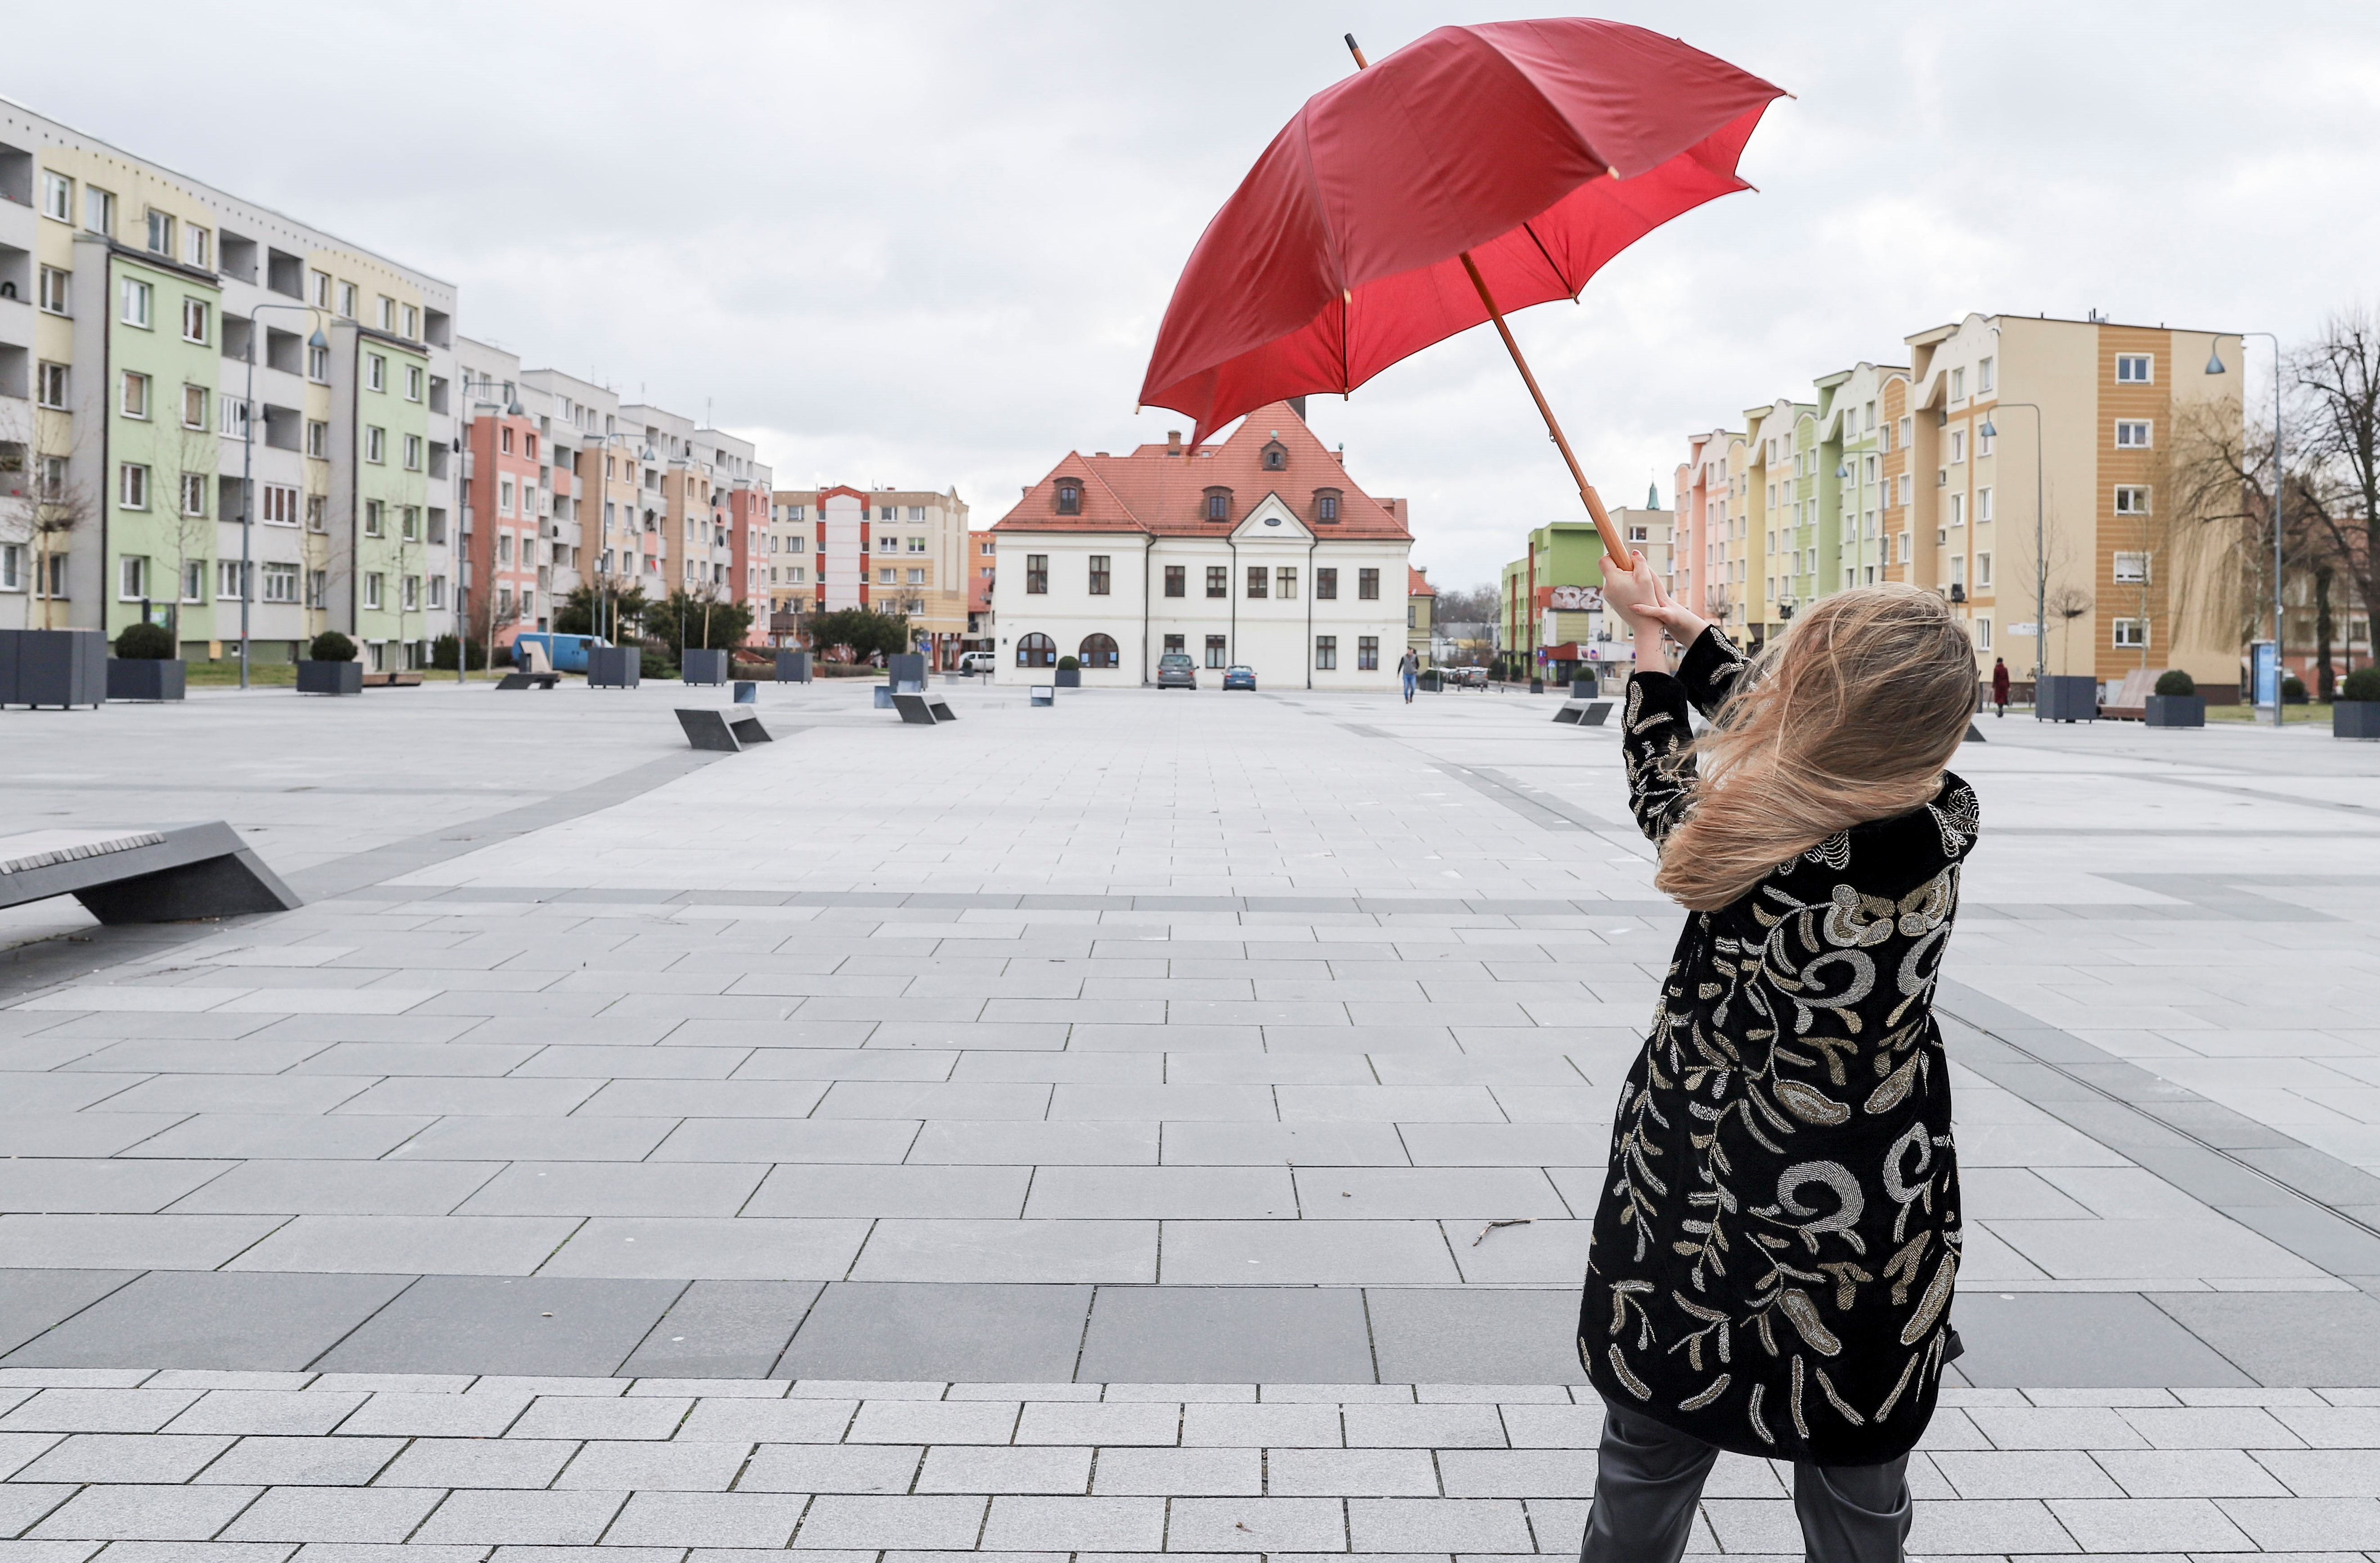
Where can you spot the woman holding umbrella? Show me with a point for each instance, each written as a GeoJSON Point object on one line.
{"type": "Point", "coordinates": [1773, 1261]}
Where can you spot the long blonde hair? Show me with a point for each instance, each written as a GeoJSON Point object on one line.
{"type": "Point", "coordinates": [1850, 717]}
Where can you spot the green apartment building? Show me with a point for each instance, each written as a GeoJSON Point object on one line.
{"type": "Point", "coordinates": [1550, 618]}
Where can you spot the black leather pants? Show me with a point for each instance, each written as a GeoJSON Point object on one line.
{"type": "Point", "coordinates": [1648, 1478]}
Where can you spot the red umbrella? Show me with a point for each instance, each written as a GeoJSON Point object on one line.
{"type": "Point", "coordinates": [1505, 162]}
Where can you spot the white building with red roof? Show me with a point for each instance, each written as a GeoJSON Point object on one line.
{"type": "Point", "coordinates": [1258, 550]}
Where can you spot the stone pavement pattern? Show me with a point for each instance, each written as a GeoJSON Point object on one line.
{"type": "Point", "coordinates": [1126, 1055]}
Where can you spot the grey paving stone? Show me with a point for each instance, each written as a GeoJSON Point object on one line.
{"type": "Point", "coordinates": [334, 1514]}
{"type": "Point", "coordinates": [1074, 1422]}
{"type": "Point", "coordinates": [304, 1462]}
{"type": "Point", "coordinates": [932, 1421]}
{"type": "Point", "coordinates": [2312, 1338]}
{"type": "Point", "coordinates": [124, 1457]}
{"type": "Point", "coordinates": [782, 1422]}
{"type": "Point", "coordinates": [1522, 1473]}
{"type": "Point", "coordinates": [566, 1188]}
{"type": "Point", "coordinates": [1227, 1335]}
{"type": "Point", "coordinates": [2081, 1339]}
{"type": "Point", "coordinates": [1479, 1335]}
{"type": "Point", "coordinates": [475, 1324]}
{"type": "Point", "coordinates": [68, 1185]}
{"type": "Point", "coordinates": [32, 1301]}
{"type": "Point", "coordinates": [1044, 1144]}
{"type": "Point", "coordinates": [862, 1142]}
{"type": "Point", "coordinates": [924, 1331]}
{"type": "Point", "coordinates": [844, 1521]}
{"type": "Point", "coordinates": [21, 1504]}
{"type": "Point", "coordinates": [353, 1188]}
{"type": "Point", "coordinates": [1467, 1525]}
{"type": "Point", "coordinates": [2310, 1525]}
{"type": "Point", "coordinates": [27, 1133]}
{"type": "Point", "coordinates": [709, 1519]}
{"type": "Point", "coordinates": [142, 1242]}
{"type": "Point", "coordinates": [1305, 1254]}
{"type": "Point", "coordinates": [481, 1413]}
{"type": "Point", "coordinates": [1284, 1145]}
{"type": "Point", "coordinates": [709, 1248]}
{"type": "Point", "coordinates": [477, 1245]}
{"type": "Point", "coordinates": [535, 1139]}
{"type": "Point", "coordinates": [960, 1469]}
{"type": "Point", "coordinates": [1372, 1194]}
{"type": "Point", "coordinates": [2027, 1474]}
{"type": "Point", "coordinates": [1158, 1472]}
{"type": "Point", "coordinates": [1089, 1252]}
{"type": "Point", "coordinates": [267, 1411]}
{"type": "Point", "coordinates": [482, 1463]}
{"type": "Point", "coordinates": [521, 1518]}
{"type": "Point", "coordinates": [831, 1467]}
{"type": "Point", "coordinates": [694, 1468]}
{"type": "Point", "coordinates": [723, 1329]}
{"type": "Point", "coordinates": [219, 1319]}
{"type": "Point", "coordinates": [601, 1416]}
{"type": "Point", "coordinates": [2144, 1473]}
{"type": "Point", "coordinates": [234, 1134]}
{"type": "Point", "coordinates": [1224, 1424]}
{"type": "Point", "coordinates": [133, 1512]}
{"type": "Point", "coordinates": [839, 1190]}
{"type": "Point", "coordinates": [97, 1411]}
{"type": "Point", "coordinates": [1441, 1426]}
{"type": "Point", "coordinates": [1354, 1473]}
{"type": "Point", "coordinates": [1163, 1193]}
{"type": "Point", "coordinates": [1075, 1524]}
{"type": "Point", "coordinates": [1269, 1524]}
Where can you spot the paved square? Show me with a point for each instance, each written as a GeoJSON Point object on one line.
{"type": "Point", "coordinates": [1163, 1121]}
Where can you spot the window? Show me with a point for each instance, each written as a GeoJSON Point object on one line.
{"type": "Point", "coordinates": [1219, 580]}
{"type": "Point", "coordinates": [413, 453]}
{"type": "Point", "coordinates": [12, 566]}
{"type": "Point", "coordinates": [2134, 368]}
{"type": "Point", "coordinates": [411, 524]}
{"type": "Point", "coordinates": [198, 248]}
{"type": "Point", "coordinates": [137, 296]}
{"type": "Point", "coordinates": [2131, 434]}
{"type": "Point", "coordinates": [194, 493]}
{"type": "Point", "coordinates": [1984, 377]}
{"type": "Point", "coordinates": [408, 595]}
{"type": "Point", "coordinates": [1985, 438]}
{"type": "Point", "coordinates": [347, 300]}
{"type": "Point", "coordinates": [279, 505]}
{"type": "Point", "coordinates": [1958, 446]}
{"type": "Point", "coordinates": [504, 548]}
{"type": "Point", "coordinates": [321, 291]}
{"type": "Point", "coordinates": [98, 209]}
{"type": "Point", "coordinates": [1957, 385]}
{"type": "Point", "coordinates": [413, 334]}
{"type": "Point", "coordinates": [194, 407]}
{"type": "Point", "coordinates": [1070, 502]}
{"type": "Point", "coordinates": [375, 372]}
{"type": "Point", "coordinates": [1326, 582]}
{"type": "Point", "coordinates": [2131, 568]}
{"type": "Point", "coordinates": [2132, 500]}
{"type": "Point", "coordinates": [134, 402]}
{"type": "Point", "coordinates": [2131, 633]}
{"type": "Point", "coordinates": [1983, 572]}
{"type": "Point", "coordinates": [194, 314]}
{"type": "Point", "coordinates": [504, 440]}
{"type": "Point", "coordinates": [916, 545]}
{"type": "Point", "coordinates": [1035, 651]}
{"type": "Point", "coordinates": [132, 577]}
{"type": "Point", "coordinates": [1326, 653]}
{"type": "Point", "coordinates": [794, 545]}
{"type": "Point", "coordinates": [1284, 584]}
{"type": "Point", "coordinates": [888, 544]}
{"type": "Point", "coordinates": [281, 582]}
{"type": "Point", "coordinates": [387, 316]}
{"type": "Point", "coordinates": [888, 578]}
{"type": "Point", "coordinates": [57, 196]}
{"type": "Point", "coordinates": [50, 386]}
{"type": "Point", "coordinates": [1217, 651]}
{"type": "Point", "coordinates": [1219, 504]}
{"type": "Point", "coordinates": [1259, 580]}
{"type": "Point", "coordinates": [161, 233]}
{"type": "Point", "coordinates": [1037, 584]}
{"type": "Point", "coordinates": [317, 364]}
{"type": "Point", "coordinates": [1982, 506]}
{"type": "Point", "coordinates": [437, 592]}
{"type": "Point", "coordinates": [1983, 635]}
{"type": "Point", "coordinates": [318, 439]}
{"type": "Point", "coordinates": [1326, 504]}
{"type": "Point", "coordinates": [374, 512]}
{"type": "Point", "coordinates": [916, 578]}
{"type": "Point", "coordinates": [1367, 653]}
{"type": "Point", "coordinates": [55, 294]}
{"type": "Point", "coordinates": [1367, 585]}
{"type": "Point", "coordinates": [375, 444]}
{"type": "Point", "coordinates": [1096, 651]}
{"type": "Point", "coordinates": [194, 580]}
{"type": "Point", "coordinates": [132, 486]}
{"type": "Point", "coordinates": [1177, 581]}
{"type": "Point", "coordinates": [373, 581]}
{"type": "Point", "coordinates": [317, 588]}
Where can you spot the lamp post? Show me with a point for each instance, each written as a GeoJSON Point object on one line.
{"type": "Point", "coordinates": [2040, 548]}
{"type": "Point", "coordinates": [247, 468]}
{"type": "Point", "coordinates": [2280, 479]}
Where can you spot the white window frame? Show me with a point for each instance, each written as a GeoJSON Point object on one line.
{"type": "Point", "coordinates": [375, 518]}
{"type": "Point", "coordinates": [349, 295]}
{"type": "Point", "coordinates": [126, 382]}
{"type": "Point", "coordinates": [2133, 433]}
{"type": "Point", "coordinates": [2131, 568]}
{"type": "Point", "coordinates": [2130, 634]}
{"type": "Point", "coordinates": [132, 486]}
{"type": "Point", "coordinates": [279, 504]}
{"type": "Point", "coordinates": [202, 420]}
{"type": "Point", "coordinates": [373, 590]}
{"type": "Point", "coordinates": [194, 493]}
{"type": "Point", "coordinates": [376, 371]}
{"type": "Point", "coordinates": [413, 382]}
{"type": "Point", "coordinates": [1984, 571]}
{"type": "Point", "coordinates": [56, 291]}
{"type": "Point", "coordinates": [139, 303]}
{"type": "Point", "coordinates": [57, 196]}
{"type": "Point", "coordinates": [375, 444]}
{"type": "Point", "coordinates": [2127, 364]}
{"type": "Point", "coordinates": [1983, 633]}
{"type": "Point", "coordinates": [1983, 507]}
{"type": "Point", "coordinates": [2133, 498]}
{"type": "Point", "coordinates": [318, 439]}
{"type": "Point", "coordinates": [131, 576]}
{"type": "Point", "coordinates": [99, 204]}
{"type": "Point", "coordinates": [53, 385]}
{"type": "Point", "coordinates": [200, 312]}
{"type": "Point", "coordinates": [1985, 377]}
{"type": "Point", "coordinates": [279, 582]}
{"type": "Point", "coordinates": [198, 246]}
{"type": "Point", "coordinates": [413, 453]}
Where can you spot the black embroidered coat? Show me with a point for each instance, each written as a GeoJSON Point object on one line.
{"type": "Point", "coordinates": [1772, 1260]}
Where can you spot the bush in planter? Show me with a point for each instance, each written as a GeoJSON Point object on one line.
{"type": "Point", "coordinates": [2364, 683]}
{"type": "Point", "coordinates": [331, 646]}
{"type": "Point", "coordinates": [441, 653]}
{"type": "Point", "coordinates": [654, 665]}
{"type": "Point", "coordinates": [1069, 664]}
{"type": "Point", "coordinates": [2176, 682]}
{"type": "Point", "coordinates": [2293, 691]}
{"type": "Point", "coordinates": [147, 643]}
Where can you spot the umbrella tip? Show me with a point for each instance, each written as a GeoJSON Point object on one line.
{"type": "Point", "coordinates": [1357, 50]}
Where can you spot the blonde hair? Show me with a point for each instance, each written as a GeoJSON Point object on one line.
{"type": "Point", "coordinates": [1850, 717]}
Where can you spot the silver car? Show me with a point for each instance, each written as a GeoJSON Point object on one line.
{"type": "Point", "coordinates": [1176, 670]}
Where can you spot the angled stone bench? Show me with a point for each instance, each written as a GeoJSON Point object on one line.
{"type": "Point", "coordinates": [528, 680]}
{"type": "Point", "coordinates": [709, 728]}
{"type": "Point", "coordinates": [916, 710]}
{"type": "Point", "coordinates": [1583, 713]}
{"type": "Point", "coordinates": [169, 876]}
{"type": "Point", "coordinates": [942, 711]}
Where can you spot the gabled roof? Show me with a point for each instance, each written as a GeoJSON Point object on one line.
{"type": "Point", "coordinates": [1418, 584]}
{"type": "Point", "coordinates": [1161, 490]}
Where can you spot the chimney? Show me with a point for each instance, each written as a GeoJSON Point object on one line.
{"type": "Point", "coordinates": [1173, 442]}
{"type": "Point", "coordinates": [1297, 405]}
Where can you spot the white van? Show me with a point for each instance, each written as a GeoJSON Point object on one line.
{"type": "Point", "coordinates": [975, 661]}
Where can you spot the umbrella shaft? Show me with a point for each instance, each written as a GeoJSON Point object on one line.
{"type": "Point", "coordinates": [1613, 544]}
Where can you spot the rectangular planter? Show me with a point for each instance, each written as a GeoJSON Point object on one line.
{"type": "Point", "coordinates": [145, 679]}
{"type": "Point", "coordinates": [704, 667]}
{"type": "Point", "coordinates": [2175, 710]}
{"type": "Point", "coordinates": [614, 667]}
{"type": "Point", "coordinates": [330, 678]}
{"type": "Point", "coordinates": [57, 666]}
{"type": "Point", "coordinates": [2355, 719]}
{"type": "Point", "coordinates": [907, 670]}
{"type": "Point", "coordinates": [1070, 678]}
{"type": "Point", "coordinates": [2068, 697]}
{"type": "Point", "coordinates": [793, 667]}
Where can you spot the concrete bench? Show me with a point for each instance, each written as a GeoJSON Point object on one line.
{"type": "Point", "coordinates": [528, 680]}
{"type": "Point", "coordinates": [916, 710]}
{"type": "Point", "coordinates": [1583, 713]}
{"type": "Point", "coordinates": [707, 728]}
{"type": "Point", "coordinates": [942, 711]}
{"type": "Point", "coordinates": [169, 876]}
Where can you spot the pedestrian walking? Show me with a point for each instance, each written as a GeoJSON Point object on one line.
{"type": "Point", "coordinates": [2000, 684]}
{"type": "Point", "coordinates": [1409, 671]}
{"type": "Point", "coordinates": [1772, 1260]}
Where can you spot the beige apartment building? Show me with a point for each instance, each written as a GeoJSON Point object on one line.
{"type": "Point", "coordinates": [1999, 410]}
{"type": "Point", "coordinates": [897, 550]}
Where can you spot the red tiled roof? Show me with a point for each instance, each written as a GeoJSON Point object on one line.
{"type": "Point", "coordinates": [1159, 491]}
{"type": "Point", "coordinates": [1418, 584]}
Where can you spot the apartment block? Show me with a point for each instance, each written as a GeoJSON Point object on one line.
{"type": "Point", "coordinates": [897, 550]}
{"type": "Point", "coordinates": [1553, 621]}
{"type": "Point", "coordinates": [1708, 508]}
{"type": "Point", "coordinates": [175, 362]}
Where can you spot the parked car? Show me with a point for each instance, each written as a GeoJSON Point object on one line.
{"type": "Point", "coordinates": [1176, 670]}
{"type": "Point", "coordinates": [1240, 676]}
{"type": "Point", "coordinates": [1468, 678]}
{"type": "Point", "coordinates": [977, 662]}
{"type": "Point", "coordinates": [567, 653]}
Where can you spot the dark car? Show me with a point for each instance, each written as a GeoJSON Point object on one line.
{"type": "Point", "coordinates": [1240, 676]}
{"type": "Point", "coordinates": [1176, 670]}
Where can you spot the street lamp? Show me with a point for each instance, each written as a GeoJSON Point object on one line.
{"type": "Point", "coordinates": [247, 467]}
{"type": "Point", "coordinates": [2214, 366]}
{"type": "Point", "coordinates": [2040, 548]}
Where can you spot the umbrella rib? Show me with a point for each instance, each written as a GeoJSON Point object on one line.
{"type": "Point", "coordinates": [1529, 228]}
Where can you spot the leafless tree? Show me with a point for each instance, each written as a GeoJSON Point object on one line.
{"type": "Point", "coordinates": [41, 506]}
{"type": "Point", "coordinates": [2337, 380]}
{"type": "Point", "coordinates": [2069, 603]}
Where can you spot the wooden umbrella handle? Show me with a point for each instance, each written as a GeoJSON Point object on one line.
{"type": "Point", "coordinates": [1621, 557]}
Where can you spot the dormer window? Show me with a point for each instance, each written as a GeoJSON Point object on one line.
{"type": "Point", "coordinates": [1326, 504]}
{"type": "Point", "coordinates": [1070, 496]}
{"type": "Point", "coordinates": [1219, 504]}
{"type": "Point", "coordinates": [1276, 455]}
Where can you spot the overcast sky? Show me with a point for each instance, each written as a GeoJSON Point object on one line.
{"type": "Point", "coordinates": [929, 244]}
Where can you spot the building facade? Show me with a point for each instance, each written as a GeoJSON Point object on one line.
{"type": "Point", "coordinates": [1421, 617]}
{"type": "Point", "coordinates": [1553, 621]}
{"type": "Point", "coordinates": [895, 550]}
{"type": "Point", "coordinates": [1260, 549]}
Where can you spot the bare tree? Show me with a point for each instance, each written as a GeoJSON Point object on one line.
{"type": "Point", "coordinates": [192, 530]}
{"type": "Point", "coordinates": [2070, 603]}
{"type": "Point", "coordinates": [52, 507]}
{"type": "Point", "coordinates": [2337, 378]}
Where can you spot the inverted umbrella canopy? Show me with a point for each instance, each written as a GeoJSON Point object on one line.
{"type": "Point", "coordinates": [1536, 151]}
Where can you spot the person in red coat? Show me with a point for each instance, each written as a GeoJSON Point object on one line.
{"type": "Point", "coordinates": [2000, 684]}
